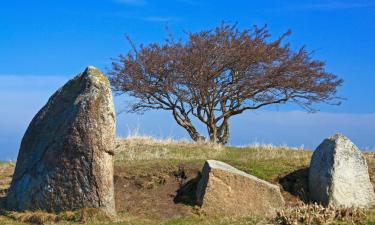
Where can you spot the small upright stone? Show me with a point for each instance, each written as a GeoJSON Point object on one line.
{"type": "Point", "coordinates": [225, 190]}
{"type": "Point", "coordinates": [338, 175]}
{"type": "Point", "coordinates": [66, 157]}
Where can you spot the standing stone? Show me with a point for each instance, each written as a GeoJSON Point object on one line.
{"type": "Point", "coordinates": [66, 157]}
{"type": "Point", "coordinates": [225, 190]}
{"type": "Point", "coordinates": [338, 175]}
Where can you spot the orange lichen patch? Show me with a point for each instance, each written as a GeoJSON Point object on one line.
{"type": "Point", "coordinates": [95, 72]}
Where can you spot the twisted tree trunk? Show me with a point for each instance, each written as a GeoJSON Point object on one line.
{"type": "Point", "coordinates": [183, 120]}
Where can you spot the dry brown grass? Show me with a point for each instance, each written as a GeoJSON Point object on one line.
{"type": "Point", "coordinates": [315, 214]}
{"type": "Point", "coordinates": [141, 148]}
{"type": "Point", "coordinates": [38, 217]}
{"type": "Point", "coordinates": [6, 171]}
{"type": "Point", "coordinates": [43, 218]}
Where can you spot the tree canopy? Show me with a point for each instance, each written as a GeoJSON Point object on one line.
{"type": "Point", "coordinates": [216, 74]}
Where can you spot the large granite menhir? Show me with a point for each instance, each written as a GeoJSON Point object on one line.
{"type": "Point", "coordinates": [338, 175]}
{"type": "Point", "coordinates": [225, 190]}
{"type": "Point", "coordinates": [66, 157]}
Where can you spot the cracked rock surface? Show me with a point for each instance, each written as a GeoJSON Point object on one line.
{"type": "Point", "coordinates": [65, 160]}
{"type": "Point", "coordinates": [338, 174]}
{"type": "Point", "coordinates": [225, 190]}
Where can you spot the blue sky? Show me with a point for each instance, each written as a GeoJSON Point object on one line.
{"type": "Point", "coordinates": [44, 43]}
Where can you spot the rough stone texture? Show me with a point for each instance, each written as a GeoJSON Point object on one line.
{"type": "Point", "coordinates": [225, 190]}
{"type": "Point", "coordinates": [338, 174]}
{"type": "Point", "coordinates": [66, 157]}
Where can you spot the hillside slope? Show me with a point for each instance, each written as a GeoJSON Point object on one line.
{"type": "Point", "coordinates": [149, 172]}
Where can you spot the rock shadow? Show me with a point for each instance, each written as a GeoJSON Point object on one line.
{"type": "Point", "coordinates": [3, 198]}
{"type": "Point", "coordinates": [3, 210]}
{"type": "Point", "coordinates": [186, 194]}
{"type": "Point", "coordinates": [2, 202]}
{"type": "Point", "coordinates": [296, 183]}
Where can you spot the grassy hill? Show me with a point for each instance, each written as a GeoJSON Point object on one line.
{"type": "Point", "coordinates": [148, 173]}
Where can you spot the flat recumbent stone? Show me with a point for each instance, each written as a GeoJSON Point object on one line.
{"type": "Point", "coordinates": [225, 190]}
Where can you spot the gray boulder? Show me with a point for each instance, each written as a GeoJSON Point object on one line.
{"type": "Point", "coordinates": [225, 190]}
{"type": "Point", "coordinates": [338, 175]}
{"type": "Point", "coordinates": [65, 160]}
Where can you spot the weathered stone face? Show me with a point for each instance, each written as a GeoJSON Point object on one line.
{"type": "Point", "coordinates": [225, 190]}
{"type": "Point", "coordinates": [338, 174]}
{"type": "Point", "coordinates": [66, 157]}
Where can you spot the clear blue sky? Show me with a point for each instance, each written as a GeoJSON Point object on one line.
{"type": "Point", "coordinates": [44, 43]}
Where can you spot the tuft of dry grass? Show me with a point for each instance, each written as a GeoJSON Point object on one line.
{"type": "Point", "coordinates": [6, 171]}
{"type": "Point", "coordinates": [316, 214]}
{"type": "Point", "coordinates": [38, 217]}
{"type": "Point", "coordinates": [84, 215]}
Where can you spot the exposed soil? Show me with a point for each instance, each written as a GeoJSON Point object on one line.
{"type": "Point", "coordinates": [170, 191]}
{"type": "Point", "coordinates": [154, 194]}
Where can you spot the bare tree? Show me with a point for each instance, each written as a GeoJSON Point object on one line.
{"type": "Point", "coordinates": [219, 73]}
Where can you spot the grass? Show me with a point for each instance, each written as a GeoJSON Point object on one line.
{"type": "Point", "coordinates": [147, 172]}
{"type": "Point", "coordinates": [266, 162]}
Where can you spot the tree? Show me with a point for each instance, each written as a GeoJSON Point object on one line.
{"type": "Point", "coordinates": [220, 73]}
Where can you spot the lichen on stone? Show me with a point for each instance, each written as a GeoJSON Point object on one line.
{"type": "Point", "coordinates": [66, 157]}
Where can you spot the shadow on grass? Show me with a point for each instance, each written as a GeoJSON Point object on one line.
{"type": "Point", "coordinates": [186, 194]}
{"type": "Point", "coordinates": [296, 183]}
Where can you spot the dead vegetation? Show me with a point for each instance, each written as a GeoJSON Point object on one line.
{"type": "Point", "coordinates": [315, 214]}
{"type": "Point", "coordinates": [85, 215]}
